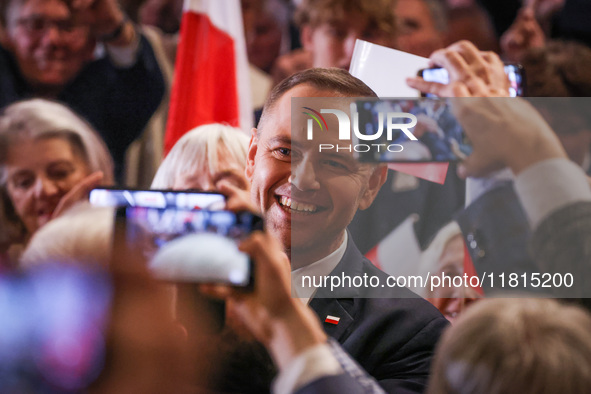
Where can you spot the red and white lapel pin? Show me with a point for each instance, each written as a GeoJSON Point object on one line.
{"type": "Point", "coordinates": [332, 319]}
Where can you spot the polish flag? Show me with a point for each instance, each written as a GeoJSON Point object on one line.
{"type": "Point", "coordinates": [211, 81]}
{"type": "Point", "coordinates": [332, 319]}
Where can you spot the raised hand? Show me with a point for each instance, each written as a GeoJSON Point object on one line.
{"type": "Point", "coordinates": [505, 132]}
{"type": "Point", "coordinates": [78, 193]}
{"type": "Point", "coordinates": [106, 20]}
{"type": "Point", "coordinates": [472, 73]}
{"type": "Point", "coordinates": [282, 323]}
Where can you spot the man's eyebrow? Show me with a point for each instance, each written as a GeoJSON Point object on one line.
{"type": "Point", "coordinates": [281, 139]}
{"type": "Point", "coordinates": [18, 173]}
{"type": "Point", "coordinates": [336, 155]}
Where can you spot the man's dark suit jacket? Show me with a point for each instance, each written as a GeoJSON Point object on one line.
{"type": "Point", "coordinates": [500, 241]}
{"type": "Point", "coordinates": [496, 232]}
{"type": "Point", "coordinates": [392, 337]}
{"type": "Point", "coordinates": [562, 243]}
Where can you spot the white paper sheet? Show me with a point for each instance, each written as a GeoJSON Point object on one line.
{"type": "Point", "coordinates": [385, 69]}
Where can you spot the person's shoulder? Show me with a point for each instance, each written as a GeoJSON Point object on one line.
{"type": "Point", "coordinates": [395, 338]}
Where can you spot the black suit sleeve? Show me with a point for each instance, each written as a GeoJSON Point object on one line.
{"type": "Point", "coordinates": [408, 370]}
{"type": "Point", "coordinates": [562, 244]}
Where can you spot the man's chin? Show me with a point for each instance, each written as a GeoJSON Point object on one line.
{"type": "Point", "coordinates": [308, 248]}
{"type": "Point", "coordinates": [301, 241]}
{"type": "Point", "coordinates": [51, 80]}
{"type": "Point", "coordinates": [292, 242]}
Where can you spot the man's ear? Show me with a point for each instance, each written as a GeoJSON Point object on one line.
{"type": "Point", "coordinates": [251, 154]}
{"type": "Point", "coordinates": [306, 37]}
{"type": "Point", "coordinates": [376, 181]}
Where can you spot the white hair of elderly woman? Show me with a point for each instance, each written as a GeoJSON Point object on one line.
{"type": "Point", "coordinates": [199, 149]}
{"type": "Point", "coordinates": [38, 118]}
{"type": "Point", "coordinates": [83, 234]}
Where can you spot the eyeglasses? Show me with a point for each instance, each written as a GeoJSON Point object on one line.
{"type": "Point", "coordinates": [38, 26]}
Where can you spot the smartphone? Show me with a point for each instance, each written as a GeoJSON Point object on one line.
{"type": "Point", "coordinates": [115, 197]}
{"type": "Point", "coordinates": [515, 72]}
{"type": "Point", "coordinates": [192, 246]}
{"type": "Point", "coordinates": [54, 326]}
{"type": "Point", "coordinates": [384, 131]}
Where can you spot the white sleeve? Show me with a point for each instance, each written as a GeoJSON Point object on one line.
{"type": "Point", "coordinates": [550, 185]}
{"type": "Point", "coordinates": [315, 363]}
{"type": "Point", "coordinates": [126, 56]}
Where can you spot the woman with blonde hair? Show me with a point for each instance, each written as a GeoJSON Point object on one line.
{"type": "Point", "coordinates": [49, 159]}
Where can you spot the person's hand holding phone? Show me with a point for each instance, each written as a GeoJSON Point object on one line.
{"type": "Point", "coordinates": [505, 132]}
{"type": "Point", "coordinates": [472, 73]}
{"type": "Point", "coordinates": [425, 124]}
{"type": "Point", "coordinates": [237, 199]}
{"type": "Point", "coordinates": [283, 324]}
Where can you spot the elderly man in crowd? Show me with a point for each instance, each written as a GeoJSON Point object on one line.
{"type": "Point", "coordinates": [86, 54]}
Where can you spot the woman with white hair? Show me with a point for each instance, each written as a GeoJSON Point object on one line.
{"type": "Point", "coordinates": [49, 159]}
{"type": "Point", "coordinates": [203, 157]}
{"type": "Point", "coordinates": [208, 158]}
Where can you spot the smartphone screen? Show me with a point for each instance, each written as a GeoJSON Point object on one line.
{"type": "Point", "coordinates": [516, 76]}
{"type": "Point", "coordinates": [515, 73]}
{"type": "Point", "coordinates": [114, 197]}
{"type": "Point", "coordinates": [384, 137]}
{"type": "Point", "coordinates": [199, 246]}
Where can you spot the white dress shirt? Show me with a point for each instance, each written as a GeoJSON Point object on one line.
{"type": "Point", "coordinates": [317, 269]}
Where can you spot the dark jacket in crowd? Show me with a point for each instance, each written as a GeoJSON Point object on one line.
{"type": "Point", "coordinates": [118, 102]}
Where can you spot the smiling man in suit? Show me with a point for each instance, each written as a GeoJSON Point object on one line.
{"type": "Point", "coordinates": [308, 198]}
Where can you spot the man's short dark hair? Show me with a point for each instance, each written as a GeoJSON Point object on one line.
{"type": "Point", "coordinates": [334, 80]}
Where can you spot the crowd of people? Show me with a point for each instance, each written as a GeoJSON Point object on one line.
{"type": "Point", "coordinates": [82, 80]}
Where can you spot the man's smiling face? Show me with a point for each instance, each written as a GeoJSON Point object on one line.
{"type": "Point", "coordinates": [49, 44]}
{"type": "Point", "coordinates": [307, 198]}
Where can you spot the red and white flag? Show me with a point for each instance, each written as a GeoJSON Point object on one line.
{"type": "Point", "coordinates": [332, 319]}
{"type": "Point", "coordinates": [211, 81]}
